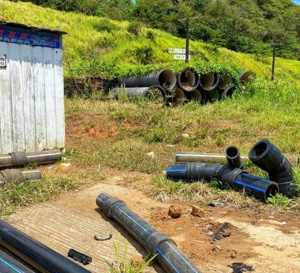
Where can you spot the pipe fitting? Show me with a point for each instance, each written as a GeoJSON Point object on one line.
{"type": "Point", "coordinates": [268, 157]}
{"type": "Point", "coordinates": [234, 178]}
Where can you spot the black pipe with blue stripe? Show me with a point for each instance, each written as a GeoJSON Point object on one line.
{"type": "Point", "coordinates": [154, 241]}
{"type": "Point", "coordinates": [234, 178]}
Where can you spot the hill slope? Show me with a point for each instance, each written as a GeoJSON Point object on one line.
{"type": "Point", "coordinates": [98, 46]}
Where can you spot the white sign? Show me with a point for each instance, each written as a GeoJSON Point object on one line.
{"type": "Point", "coordinates": [3, 61]}
{"type": "Point", "coordinates": [177, 50]}
{"type": "Point", "coordinates": [180, 57]}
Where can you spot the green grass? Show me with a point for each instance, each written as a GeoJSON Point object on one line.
{"type": "Point", "coordinates": [144, 139]}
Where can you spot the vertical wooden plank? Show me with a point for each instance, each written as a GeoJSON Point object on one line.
{"type": "Point", "coordinates": [39, 97]}
{"type": "Point", "coordinates": [5, 104]}
{"type": "Point", "coordinates": [59, 98]}
{"type": "Point", "coordinates": [18, 139]}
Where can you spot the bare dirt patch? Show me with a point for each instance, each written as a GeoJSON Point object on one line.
{"type": "Point", "coordinates": [216, 239]}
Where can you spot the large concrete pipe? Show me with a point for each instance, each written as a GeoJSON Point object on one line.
{"type": "Point", "coordinates": [154, 241]}
{"type": "Point", "coordinates": [176, 98]}
{"type": "Point", "coordinates": [21, 159]}
{"type": "Point", "coordinates": [13, 175]}
{"type": "Point", "coordinates": [165, 78]}
{"type": "Point", "coordinates": [268, 157]}
{"type": "Point", "coordinates": [10, 264]}
{"type": "Point", "coordinates": [209, 81]}
{"type": "Point", "coordinates": [246, 77]}
{"type": "Point", "coordinates": [188, 79]}
{"type": "Point", "coordinates": [153, 93]}
{"type": "Point", "coordinates": [38, 255]}
{"type": "Point", "coordinates": [234, 178]}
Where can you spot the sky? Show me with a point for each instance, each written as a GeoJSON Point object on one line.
{"type": "Point", "coordinates": [296, 2]}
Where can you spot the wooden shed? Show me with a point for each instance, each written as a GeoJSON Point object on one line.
{"type": "Point", "coordinates": [31, 89]}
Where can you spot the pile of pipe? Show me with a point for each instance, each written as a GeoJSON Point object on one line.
{"type": "Point", "coordinates": [263, 154]}
{"type": "Point", "coordinates": [167, 88]}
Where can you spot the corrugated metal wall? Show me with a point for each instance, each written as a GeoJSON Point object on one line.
{"type": "Point", "coordinates": [31, 98]}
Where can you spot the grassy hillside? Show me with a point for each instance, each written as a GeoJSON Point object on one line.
{"type": "Point", "coordinates": [98, 46]}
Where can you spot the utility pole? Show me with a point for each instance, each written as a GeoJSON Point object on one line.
{"type": "Point", "coordinates": [273, 61]}
{"type": "Point", "coordinates": [187, 36]}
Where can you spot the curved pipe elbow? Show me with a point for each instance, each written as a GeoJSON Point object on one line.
{"type": "Point", "coordinates": [268, 157]}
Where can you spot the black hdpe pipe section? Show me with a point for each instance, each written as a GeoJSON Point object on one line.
{"type": "Point", "coordinates": [154, 241]}
{"type": "Point", "coordinates": [246, 77]}
{"type": "Point", "coordinates": [225, 82]}
{"type": "Point", "coordinates": [165, 78]}
{"type": "Point", "coordinates": [235, 178]}
{"type": "Point", "coordinates": [196, 96]}
{"type": "Point", "coordinates": [233, 157]}
{"type": "Point", "coordinates": [209, 81]}
{"type": "Point", "coordinates": [153, 93]}
{"type": "Point", "coordinates": [13, 175]}
{"type": "Point", "coordinates": [188, 79]}
{"type": "Point", "coordinates": [176, 98]}
{"type": "Point", "coordinates": [35, 253]}
{"type": "Point", "coordinates": [268, 157]}
{"type": "Point", "coordinates": [21, 159]}
{"type": "Point", "coordinates": [9, 264]}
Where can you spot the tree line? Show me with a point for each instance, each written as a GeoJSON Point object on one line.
{"type": "Point", "coordinates": [255, 26]}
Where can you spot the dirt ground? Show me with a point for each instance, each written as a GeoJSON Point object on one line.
{"type": "Point", "coordinates": [215, 238]}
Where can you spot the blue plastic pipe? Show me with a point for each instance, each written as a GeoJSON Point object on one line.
{"type": "Point", "coordinates": [154, 241]}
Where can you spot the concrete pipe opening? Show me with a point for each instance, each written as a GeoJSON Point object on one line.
{"type": "Point", "coordinates": [246, 77]}
{"type": "Point", "coordinates": [188, 79]}
{"type": "Point", "coordinates": [209, 81]}
{"type": "Point", "coordinates": [176, 98]}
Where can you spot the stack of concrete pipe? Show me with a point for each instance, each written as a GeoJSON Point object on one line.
{"type": "Point", "coordinates": [167, 88]}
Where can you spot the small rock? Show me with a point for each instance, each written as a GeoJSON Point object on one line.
{"type": "Point", "coordinates": [197, 211]}
{"type": "Point", "coordinates": [185, 135]}
{"type": "Point", "coordinates": [175, 211]}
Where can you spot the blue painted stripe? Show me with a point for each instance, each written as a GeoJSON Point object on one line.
{"type": "Point", "coordinates": [241, 183]}
{"type": "Point", "coordinates": [251, 176]}
{"type": "Point", "coordinates": [11, 266]}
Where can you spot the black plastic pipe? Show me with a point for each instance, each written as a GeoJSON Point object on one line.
{"type": "Point", "coordinates": [176, 98]}
{"type": "Point", "coordinates": [9, 264]}
{"type": "Point", "coordinates": [227, 93]}
{"type": "Point", "coordinates": [165, 78]}
{"type": "Point", "coordinates": [35, 253]}
{"type": "Point", "coordinates": [188, 79]}
{"type": "Point", "coordinates": [246, 77]}
{"type": "Point", "coordinates": [233, 157]}
{"type": "Point", "coordinates": [268, 157]}
{"type": "Point", "coordinates": [209, 81]}
{"type": "Point", "coordinates": [225, 82]}
{"type": "Point", "coordinates": [196, 95]}
{"type": "Point", "coordinates": [234, 178]}
{"type": "Point", "coordinates": [154, 241]}
{"type": "Point", "coordinates": [13, 175]}
{"type": "Point", "coordinates": [21, 159]}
